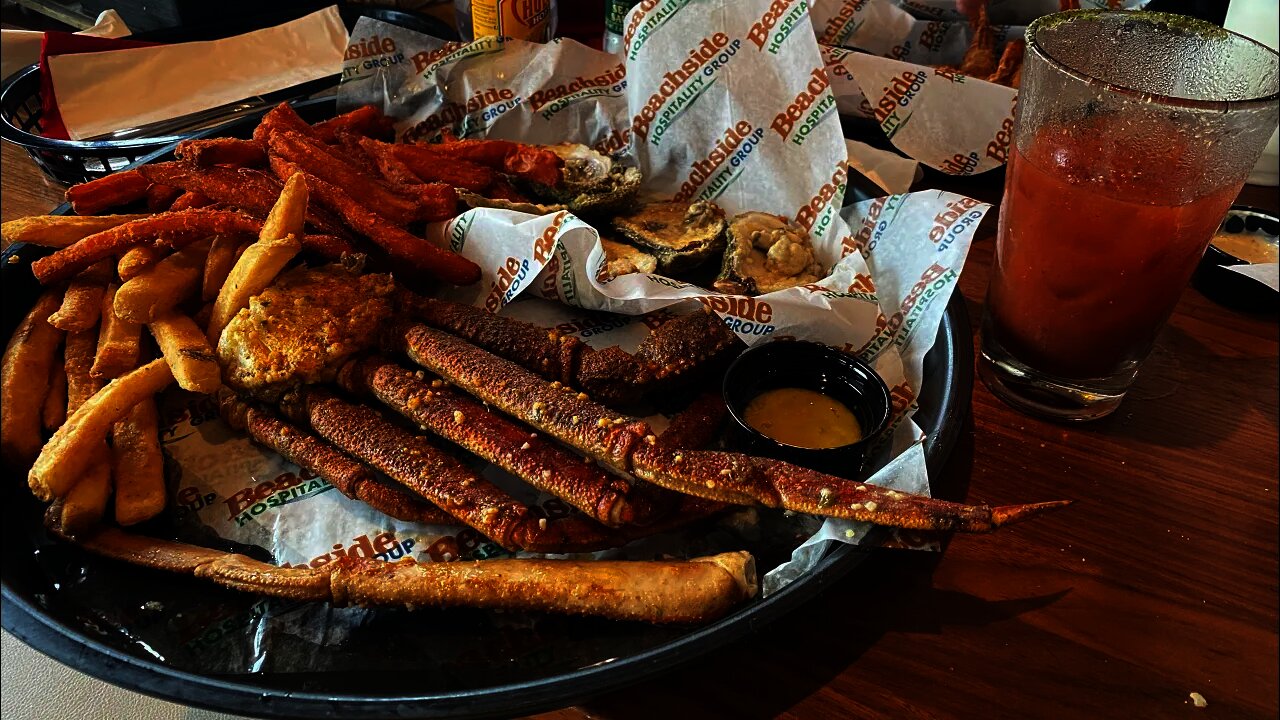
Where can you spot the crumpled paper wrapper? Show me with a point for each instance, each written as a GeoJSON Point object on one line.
{"type": "Point", "coordinates": [955, 124]}
{"type": "Point", "coordinates": [103, 92]}
{"type": "Point", "coordinates": [759, 132]}
{"type": "Point", "coordinates": [20, 48]}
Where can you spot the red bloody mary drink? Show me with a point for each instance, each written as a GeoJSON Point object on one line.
{"type": "Point", "coordinates": [1133, 134]}
{"type": "Point", "coordinates": [1095, 246]}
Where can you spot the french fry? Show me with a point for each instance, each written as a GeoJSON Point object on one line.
{"type": "Point", "coordinates": [86, 503]}
{"type": "Point", "coordinates": [119, 344]}
{"type": "Point", "coordinates": [58, 231]}
{"type": "Point", "coordinates": [136, 259]}
{"type": "Point", "coordinates": [55, 403]}
{"type": "Point", "coordinates": [24, 381]}
{"type": "Point", "coordinates": [197, 222]}
{"type": "Point", "coordinates": [164, 285]}
{"type": "Point", "coordinates": [222, 257]}
{"type": "Point", "coordinates": [262, 261]}
{"type": "Point", "coordinates": [222, 151]}
{"type": "Point", "coordinates": [121, 188]}
{"type": "Point", "coordinates": [418, 254]}
{"type": "Point", "coordinates": [138, 466]}
{"type": "Point", "coordinates": [253, 190]}
{"type": "Point", "coordinates": [364, 120]}
{"type": "Point", "coordinates": [71, 450]}
{"type": "Point", "coordinates": [82, 302]}
{"type": "Point", "coordinates": [328, 246]}
{"type": "Point", "coordinates": [432, 166]}
{"type": "Point", "coordinates": [318, 160]}
{"type": "Point", "coordinates": [78, 354]}
{"type": "Point", "coordinates": [280, 117]}
{"type": "Point", "coordinates": [188, 353]}
{"type": "Point", "coordinates": [161, 197]}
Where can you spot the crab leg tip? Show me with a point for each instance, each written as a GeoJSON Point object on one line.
{"type": "Point", "coordinates": [1009, 514]}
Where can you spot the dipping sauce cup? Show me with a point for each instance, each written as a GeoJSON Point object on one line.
{"type": "Point", "coordinates": [794, 364]}
{"type": "Point", "coordinates": [1133, 134]}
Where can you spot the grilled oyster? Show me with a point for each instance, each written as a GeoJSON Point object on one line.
{"type": "Point", "coordinates": [591, 182]}
{"type": "Point", "coordinates": [622, 259]}
{"type": "Point", "coordinates": [766, 253]}
{"type": "Point", "coordinates": [680, 235]}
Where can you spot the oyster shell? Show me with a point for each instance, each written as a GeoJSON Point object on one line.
{"type": "Point", "coordinates": [680, 235]}
{"type": "Point", "coordinates": [479, 201]}
{"type": "Point", "coordinates": [766, 253]}
{"type": "Point", "coordinates": [592, 182]}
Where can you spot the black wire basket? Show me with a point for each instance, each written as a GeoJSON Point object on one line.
{"type": "Point", "coordinates": [75, 161]}
{"type": "Point", "coordinates": [67, 161]}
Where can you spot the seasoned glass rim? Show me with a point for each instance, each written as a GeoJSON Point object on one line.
{"type": "Point", "coordinates": [1190, 23]}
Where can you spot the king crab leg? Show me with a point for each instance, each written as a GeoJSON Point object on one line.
{"type": "Point", "coordinates": [465, 422]}
{"type": "Point", "coordinates": [350, 477]}
{"type": "Point", "coordinates": [659, 591]}
{"type": "Point", "coordinates": [675, 350]}
{"type": "Point", "coordinates": [628, 444]}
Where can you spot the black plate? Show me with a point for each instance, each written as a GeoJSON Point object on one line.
{"type": "Point", "coordinates": [97, 615]}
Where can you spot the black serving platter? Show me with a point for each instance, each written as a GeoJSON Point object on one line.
{"type": "Point", "coordinates": [146, 630]}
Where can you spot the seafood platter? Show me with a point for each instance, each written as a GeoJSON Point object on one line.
{"type": "Point", "coordinates": [323, 414]}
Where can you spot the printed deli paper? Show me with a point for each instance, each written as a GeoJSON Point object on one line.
{"type": "Point", "coordinates": [103, 92]}
{"type": "Point", "coordinates": [757, 131]}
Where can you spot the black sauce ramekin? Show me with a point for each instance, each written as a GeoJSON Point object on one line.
{"type": "Point", "coordinates": [810, 366]}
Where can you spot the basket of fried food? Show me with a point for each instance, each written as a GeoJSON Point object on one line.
{"type": "Point", "coordinates": [261, 280]}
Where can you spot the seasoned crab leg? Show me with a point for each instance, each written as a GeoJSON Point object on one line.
{"type": "Point", "coordinates": [628, 444]}
{"type": "Point", "coordinates": [465, 422]}
{"type": "Point", "coordinates": [663, 591]}
{"type": "Point", "coordinates": [679, 347]}
{"type": "Point", "coordinates": [350, 477]}
{"type": "Point", "coordinates": [437, 476]}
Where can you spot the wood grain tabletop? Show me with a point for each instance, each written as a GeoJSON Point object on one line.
{"type": "Point", "coordinates": [1161, 581]}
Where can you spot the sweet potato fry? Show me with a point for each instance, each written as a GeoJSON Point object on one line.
{"type": "Point", "coordinates": [59, 231]}
{"type": "Point", "coordinates": [364, 120]}
{"type": "Point", "coordinates": [78, 361]}
{"type": "Point", "coordinates": [319, 161]}
{"type": "Point", "coordinates": [119, 341]}
{"type": "Point", "coordinates": [349, 148]}
{"type": "Point", "coordinates": [121, 188]}
{"type": "Point", "coordinates": [55, 403]}
{"type": "Point", "coordinates": [280, 117]}
{"type": "Point", "coordinates": [161, 197]}
{"type": "Point", "coordinates": [436, 200]}
{"type": "Point", "coordinates": [86, 503]}
{"type": "Point", "coordinates": [137, 465]}
{"type": "Point", "coordinates": [164, 285]}
{"type": "Point", "coordinates": [432, 166]}
{"type": "Point", "coordinates": [189, 199]}
{"type": "Point", "coordinates": [82, 302]}
{"type": "Point", "coordinates": [253, 190]}
{"type": "Point", "coordinates": [331, 247]}
{"type": "Point", "coordinates": [70, 260]}
{"type": "Point", "coordinates": [24, 380]}
{"type": "Point", "coordinates": [70, 451]}
{"type": "Point", "coordinates": [530, 162]}
{"type": "Point", "coordinates": [222, 256]}
{"type": "Point", "coordinates": [222, 151]}
{"type": "Point", "coordinates": [416, 252]}
{"type": "Point", "coordinates": [136, 259]}
{"type": "Point", "coordinates": [188, 353]}
{"type": "Point", "coordinates": [262, 261]}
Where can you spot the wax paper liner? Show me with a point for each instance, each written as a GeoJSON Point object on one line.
{"type": "Point", "coordinates": [894, 262]}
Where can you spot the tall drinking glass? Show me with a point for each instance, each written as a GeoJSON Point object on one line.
{"type": "Point", "coordinates": [1133, 135]}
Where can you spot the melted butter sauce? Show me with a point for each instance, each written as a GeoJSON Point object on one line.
{"type": "Point", "coordinates": [803, 418]}
{"type": "Point", "coordinates": [1251, 248]}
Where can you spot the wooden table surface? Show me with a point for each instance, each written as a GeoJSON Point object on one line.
{"type": "Point", "coordinates": [1161, 581]}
